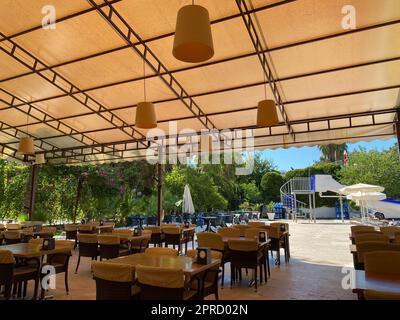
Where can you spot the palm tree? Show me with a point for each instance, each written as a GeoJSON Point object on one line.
{"type": "Point", "coordinates": [333, 152]}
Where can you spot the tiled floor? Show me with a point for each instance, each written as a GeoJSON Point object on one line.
{"type": "Point", "coordinates": [319, 251]}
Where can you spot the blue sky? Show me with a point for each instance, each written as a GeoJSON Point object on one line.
{"type": "Point", "coordinates": [297, 158]}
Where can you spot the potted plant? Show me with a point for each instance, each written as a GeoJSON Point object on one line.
{"type": "Point", "coordinates": [270, 210]}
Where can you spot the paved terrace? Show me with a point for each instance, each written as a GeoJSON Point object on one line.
{"type": "Point", "coordinates": [318, 252]}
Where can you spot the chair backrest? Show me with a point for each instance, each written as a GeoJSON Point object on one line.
{"type": "Point", "coordinates": [243, 245]}
{"type": "Point", "coordinates": [168, 225]}
{"type": "Point", "coordinates": [172, 230]}
{"type": "Point", "coordinates": [6, 257]}
{"type": "Point", "coordinates": [87, 238]}
{"type": "Point", "coordinates": [274, 232]}
{"type": "Point", "coordinates": [160, 283]}
{"type": "Point", "coordinates": [380, 295]}
{"type": "Point", "coordinates": [210, 240]}
{"type": "Point", "coordinates": [13, 226]}
{"type": "Point", "coordinates": [12, 235]}
{"type": "Point", "coordinates": [382, 262]}
{"type": "Point", "coordinates": [364, 237]}
{"type": "Point", "coordinates": [242, 228]}
{"type": "Point", "coordinates": [282, 226]}
{"type": "Point", "coordinates": [65, 243]}
{"type": "Point", "coordinates": [391, 230]}
{"type": "Point", "coordinates": [71, 227]}
{"type": "Point", "coordinates": [253, 233]}
{"type": "Point", "coordinates": [360, 232]}
{"type": "Point", "coordinates": [108, 239]}
{"type": "Point", "coordinates": [361, 228]}
{"type": "Point", "coordinates": [85, 228]}
{"type": "Point", "coordinates": [153, 229]}
{"type": "Point", "coordinates": [113, 271]}
{"type": "Point", "coordinates": [365, 247]}
{"type": "Point", "coordinates": [123, 231]}
{"type": "Point", "coordinates": [161, 252]}
{"type": "Point", "coordinates": [229, 232]}
{"type": "Point", "coordinates": [113, 281]}
{"type": "Point", "coordinates": [256, 224]}
{"type": "Point", "coordinates": [147, 233]}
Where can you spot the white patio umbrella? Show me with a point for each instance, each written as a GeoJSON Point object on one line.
{"type": "Point", "coordinates": [361, 187]}
{"type": "Point", "coordinates": [362, 197]}
{"type": "Point", "coordinates": [187, 205]}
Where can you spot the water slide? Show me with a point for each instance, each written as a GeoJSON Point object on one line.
{"type": "Point", "coordinates": [325, 182]}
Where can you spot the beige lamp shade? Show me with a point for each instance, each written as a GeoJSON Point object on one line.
{"type": "Point", "coordinates": [40, 159]}
{"type": "Point", "coordinates": [26, 146]}
{"type": "Point", "coordinates": [145, 115]}
{"type": "Point", "coordinates": [193, 38]}
{"type": "Point", "coordinates": [266, 114]}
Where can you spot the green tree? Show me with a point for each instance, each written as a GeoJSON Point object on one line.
{"type": "Point", "coordinates": [270, 185]}
{"type": "Point", "coordinates": [333, 152]}
{"type": "Point", "coordinates": [251, 194]}
{"type": "Point", "coordinates": [374, 167]}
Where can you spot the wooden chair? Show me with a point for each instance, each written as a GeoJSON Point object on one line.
{"type": "Point", "coordinates": [242, 228]}
{"type": "Point", "coordinates": [157, 237]}
{"type": "Point", "coordinates": [114, 281]}
{"type": "Point", "coordinates": [161, 252]}
{"type": "Point", "coordinates": [13, 226]}
{"type": "Point", "coordinates": [382, 262]}
{"type": "Point", "coordinates": [157, 283]}
{"type": "Point", "coordinates": [11, 275]}
{"type": "Point", "coordinates": [214, 241]}
{"type": "Point", "coordinates": [60, 261]}
{"type": "Point", "coordinates": [109, 247]}
{"type": "Point", "coordinates": [125, 232]}
{"type": "Point", "coordinates": [277, 243]}
{"type": "Point", "coordinates": [48, 232]}
{"type": "Point", "coordinates": [88, 247]}
{"type": "Point", "coordinates": [361, 228]}
{"type": "Point", "coordinates": [245, 254]}
{"type": "Point", "coordinates": [366, 247]}
{"type": "Point", "coordinates": [189, 235]}
{"type": "Point", "coordinates": [256, 224]}
{"type": "Point", "coordinates": [141, 244]}
{"type": "Point", "coordinates": [229, 232]}
{"type": "Point", "coordinates": [71, 232]}
{"type": "Point", "coordinates": [254, 234]}
{"type": "Point", "coordinates": [12, 237]}
{"type": "Point", "coordinates": [367, 237]}
{"type": "Point", "coordinates": [87, 229]}
{"type": "Point", "coordinates": [390, 230]}
{"type": "Point", "coordinates": [174, 236]}
{"type": "Point", "coordinates": [208, 279]}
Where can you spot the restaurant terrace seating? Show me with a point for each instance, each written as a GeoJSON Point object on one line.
{"type": "Point", "coordinates": [246, 254]}
{"type": "Point", "coordinates": [161, 252]}
{"type": "Point", "coordinates": [48, 232]}
{"type": "Point", "coordinates": [12, 237]}
{"type": "Point", "coordinates": [174, 236]}
{"type": "Point", "coordinates": [15, 278]}
{"type": "Point", "coordinates": [109, 247]}
{"type": "Point", "coordinates": [242, 228]}
{"type": "Point", "coordinates": [256, 224]}
{"type": "Point", "coordinates": [163, 284]}
{"type": "Point", "coordinates": [229, 232]}
{"type": "Point", "coordinates": [382, 262]}
{"type": "Point", "coordinates": [71, 232]}
{"type": "Point", "coordinates": [215, 242]}
{"type": "Point", "coordinates": [390, 230]}
{"type": "Point", "coordinates": [86, 228]}
{"type": "Point", "coordinates": [157, 237]}
{"type": "Point", "coordinates": [366, 247]}
{"type": "Point", "coordinates": [88, 247]}
{"type": "Point", "coordinates": [364, 237]}
{"type": "Point", "coordinates": [60, 261]}
{"type": "Point", "coordinates": [208, 279]}
{"type": "Point", "coordinates": [361, 228]}
{"type": "Point", "coordinates": [13, 226]}
{"type": "Point", "coordinates": [114, 281]}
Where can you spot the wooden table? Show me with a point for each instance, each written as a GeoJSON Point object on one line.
{"type": "Point", "coordinates": [30, 250]}
{"type": "Point", "coordinates": [188, 265]}
{"type": "Point", "coordinates": [375, 281]}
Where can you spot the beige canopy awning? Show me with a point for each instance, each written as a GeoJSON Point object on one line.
{"type": "Point", "coordinates": [74, 87]}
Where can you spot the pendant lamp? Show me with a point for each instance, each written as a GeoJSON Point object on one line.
{"type": "Point", "coordinates": [145, 112]}
{"type": "Point", "coordinates": [40, 159]}
{"type": "Point", "coordinates": [266, 114]}
{"type": "Point", "coordinates": [193, 38]}
{"type": "Point", "coordinates": [26, 146]}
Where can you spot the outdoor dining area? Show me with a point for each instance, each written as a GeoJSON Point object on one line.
{"type": "Point", "coordinates": [376, 259]}
{"type": "Point", "coordinates": [150, 264]}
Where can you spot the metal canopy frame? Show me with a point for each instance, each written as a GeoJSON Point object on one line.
{"type": "Point", "coordinates": [136, 140]}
